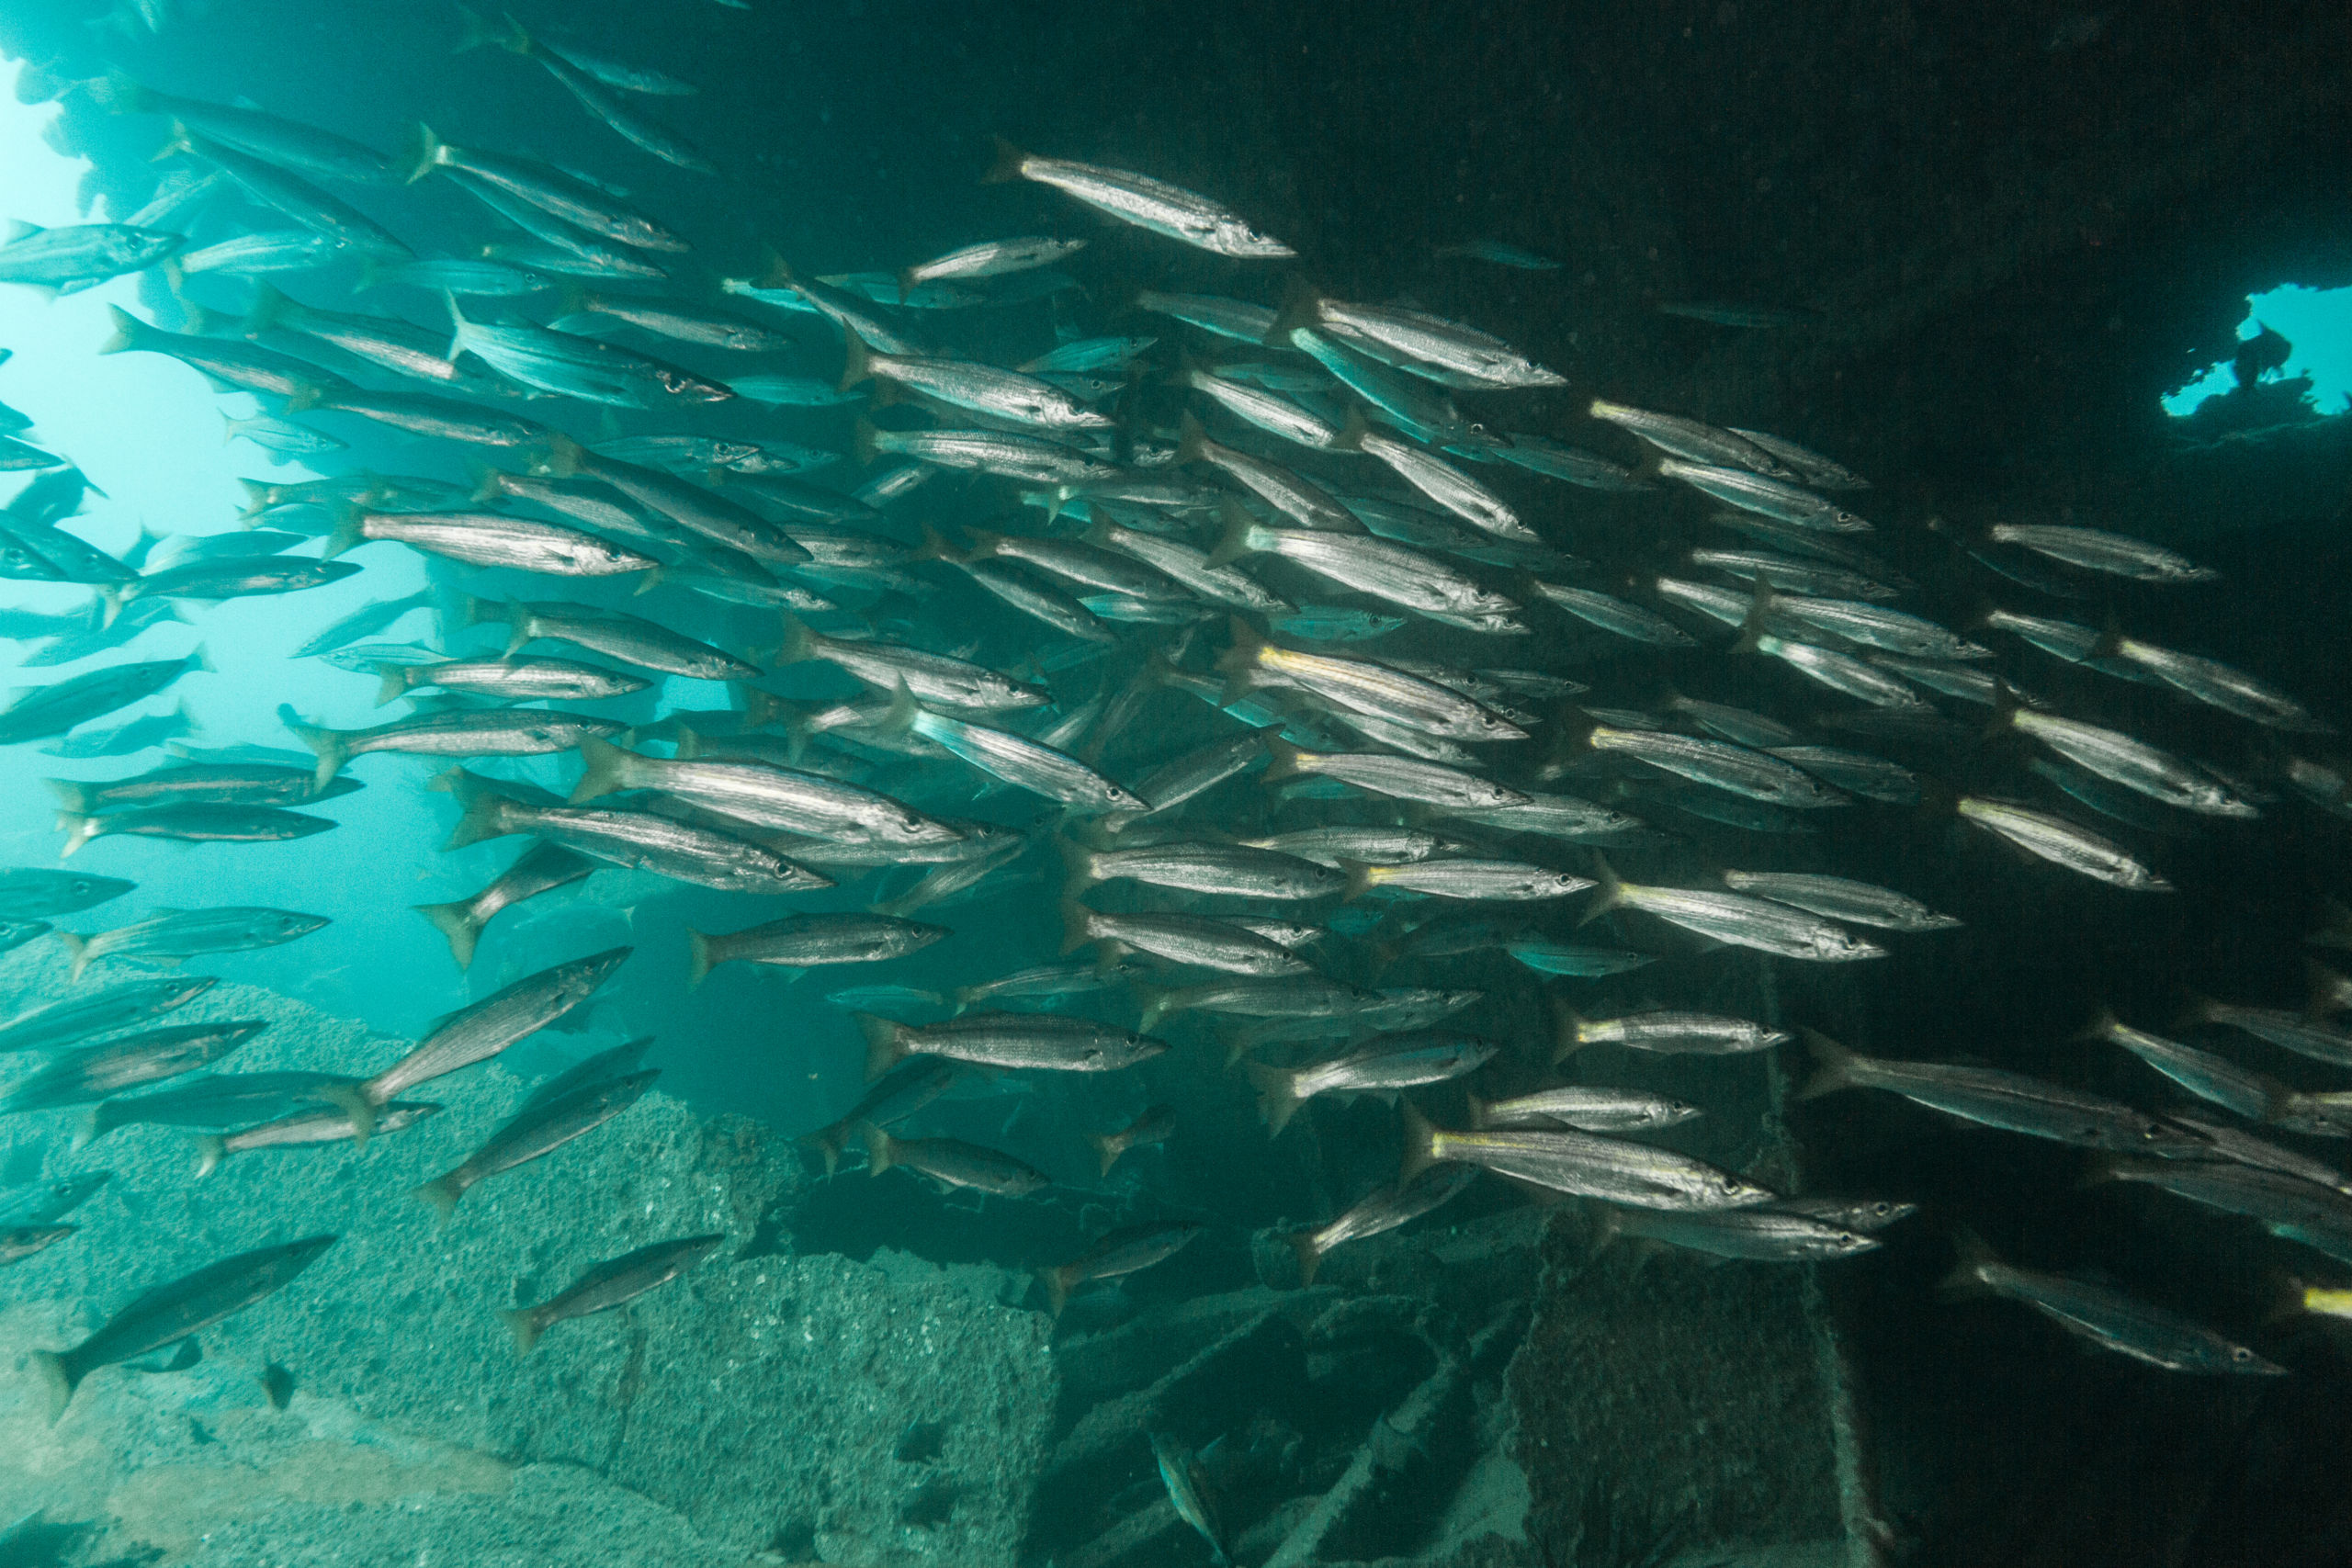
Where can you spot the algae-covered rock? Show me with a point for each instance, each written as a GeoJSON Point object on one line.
{"type": "Point", "coordinates": [760, 1402]}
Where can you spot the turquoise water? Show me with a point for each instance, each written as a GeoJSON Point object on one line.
{"type": "Point", "coordinates": [1469, 1034]}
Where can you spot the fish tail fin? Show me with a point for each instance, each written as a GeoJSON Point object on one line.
{"type": "Point", "coordinates": [1477, 1109]}
{"type": "Point", "coordinates": [1077, 869]}
{"type": "Point", "coordinates": [391, 682]}
{"type": "Point", "coordinates": [1284, 760]}
{"type": "Point", "coordinates": [2287, 1298]}
{"type": "Point", "coordinates": [2329, 992]}
{"type": "Point", "coordinates": [78, 829]}
{"type": "Point", "coordinates": [2102, 1026]}
{"type": "Point", "coordinates": [827, 1143]}
{"type": "Point", "coordinates": [1154, 1002]}
{"type": "Point", "coordinates": [349, 531]}
{"type": "Point", "coordinates": [77, 948]}
{"type": "Point", "coordinates": [526, 1326]}
{"type": "Point", "coordinates": [1278, 1096]}
{"type": "Point", "coordinates": [1241, 653]}
{"type": "Point", "coordinates": [482, 820]}
{"type": "Point", "coordinates": [1303, 1247]}
{"type": "Point", "coordinates": [1609, 893]}
{"type": "Point", "coordinates": [1967, 1276]}
{"type": "Point", "coordinates": [1057, 1284]}
{"type": "Point", "coordinates": [356, 1106]}
{"type": "Point", "coordinates": [1360, 880]}
{"type": "Point", "coordinates": [564, 457]}
{"type": "Point", "coordinates": [898, 714]}
{"type": "Point", "coordinates": [1192, 440]}
{"type": "Point", "coordinates": [442, 1192]}
{"type": "Point", "coordinates": [799, 644]}
{"type": "Point", "coordinates": [212, 1148]}
{"type": "Point", "coordinates": [127, 329]}
{"type": "Point", "coordinates": [118, 94]}
{"type": "Point", "coordinates": [480, 31]}
{"type": "Point", "coordinates": [269, 309]}
{"type": "Point", "coordinates": [1010, 165]}
{"type": "Point", "coordinates": [1107, 1149]}
{"type": "Point", "coordinates": [1568, 1031]}
{"type": "Point", "coordinates": [858, 360]}
{"type": "Point", "coordinates": [455, 922]}
{"type": "Point", "coordinates": [881, 1149]}
{"type": "Point", "coordinates": [306, 397]}
{"type": "Point", "coordinates": [460, 329]}
{"type": "Point", "coordinates": [1832, 1066]}
{"type": "Point", "coordinates": [864, 443]}
{"type": "Point", "coordinates": [177, 140]}
{"type": "Point", "coordinates": [74, 795]}
{"type": "Point", "coordinates": [698, 957]}
{"type": "Point", "coordinates": [1301, 307]}
{"type": "Point", "coordinates": [58, 1380]}
{"type": "Point", "coordinates": [1233, 541]}
{"type": "Point", "coordinates": [489, 482]}
{"type": "Point", "coordinates": [2005, 710]}
{"type": "Point", "coordinates": [934, 547]}
{"type": "Point", "coordinates": [332, 750]}
{"type": "Point", "coordinates": [1753, 626]}
{"type": "Point", "coordinates": [1076, 932]}
{"type": "Point", "coordinates": [2100, 1170]}
{"type": "Point", "coordinates": [1351, 431]}
{"type": "Point", "coordinates": [886, 1044]}
{"type": "Point", "coordinates": [430, 150]}
{"type": "Point", "coordinates": [2336, 925]}
{"type": "Point", "coordinates": [1420, 1143]}
{"type": "Point", "coordinates": [604, 770]}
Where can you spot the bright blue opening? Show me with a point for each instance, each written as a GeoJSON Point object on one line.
{"type": "Point", "coordinates": [2318, 321]}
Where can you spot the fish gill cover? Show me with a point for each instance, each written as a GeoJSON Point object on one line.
{"type": "Point", "coordinates": [1118, 850]}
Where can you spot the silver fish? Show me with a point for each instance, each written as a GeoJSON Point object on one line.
{"type": "Point", "coordinates": [1991, 1097]}
{"type": "Point", "coordinates": [540, 1128]}
{"type": "Point", "coordinates": [1840, 899]}
{"type": "Point", "coordinates": [1586, 1164]}
{"type": "Point", "coordinates": [1584, 1107]}
{"type": "Point", "coordinates": [1007, 1040]}
{"type": "Point", "coordinates": [2117, 555]}
{"type": "Point", "coordinates": [1378, 1212]}
{"type": "Point", "coordinates": [509, 679]}
{"type": "Point", "coordinates": [1402, 778]}
{"type": "Point", "coordinates": [1148, 203]}
{"type": "Point", "coordinates": [2106, 1317]}
{"type": "Point", "coordinates": [1736, 919]}
{"type": "Point", "coordinates": [640, 841]}
{"type": "Point", "coordinates": [2061, 842]}
{"type": "Point", "coordinates": [1669, 1032]}
{"type": "Point", "coordinates": [982, 389]}
{"type": "Point", "coordinates": [83, 1075]}
{"type": "Point", "coordinates": [805, 941]}
{"type": "Point", "coordinates": [2201, 1072]}
{"type": "Point", "coordinates": [495, 732]}
{"type": "Point", "coordinates": [482, 1030]}
{"type": "Point", "coordinates": [173, 1311]}
{"type": "Point", "coordinates": [608, 1285]}
{"type": "Point", "coordinates": [174, 934]}
{"type": "Point", "coordinates": [1384, 1065]}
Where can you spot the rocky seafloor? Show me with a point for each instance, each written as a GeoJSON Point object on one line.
{"type": "Point", "coordinates": [779, 1406]}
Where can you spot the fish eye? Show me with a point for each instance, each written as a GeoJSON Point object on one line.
{"type": "Point", "coordinates": [2241, 1355]}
